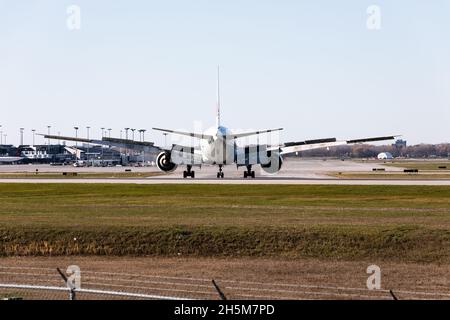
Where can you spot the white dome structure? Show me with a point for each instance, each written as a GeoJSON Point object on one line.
{"type": "Point", "coordinates": [385, 156]}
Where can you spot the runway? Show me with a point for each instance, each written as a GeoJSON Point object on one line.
{"type": "Point", "coordinates": [257, 181]}
{"type": "Point", "coordinates": [294, 171]}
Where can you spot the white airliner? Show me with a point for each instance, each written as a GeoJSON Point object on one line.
{"type": "Point", "coordinates": [218, 146]}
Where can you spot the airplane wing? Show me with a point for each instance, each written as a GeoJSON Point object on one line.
{"type": "Point", "coordinates": [291, 147]}
{"type": "Point", "coordinates": [10, 159]}
{"type": "Point", "coordinates": [190, 134]}
{"type": "Point", "coordinates": [113, 142]}
{"type": "Point", "coordinates": [252, 133]}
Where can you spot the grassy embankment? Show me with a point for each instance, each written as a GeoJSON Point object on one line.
{"type": "Point", "coordinates": [400, 223]}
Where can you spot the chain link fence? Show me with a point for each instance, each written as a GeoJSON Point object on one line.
{"type": "Point", "coordinates": [49, 284]}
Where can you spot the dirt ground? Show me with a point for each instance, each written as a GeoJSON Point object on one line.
{"type": "Point", "coordinates": [244, 278]}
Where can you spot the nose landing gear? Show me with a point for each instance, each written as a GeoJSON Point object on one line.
{"type": "Point", "coordinates": [189, 172]}
{"type": "Point", "coordinates": [249, 172]}
{"type": "Point", "coordinates": [220, 173]}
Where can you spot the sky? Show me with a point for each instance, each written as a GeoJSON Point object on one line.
{"type": "Point", "coordinates": [315, 68]}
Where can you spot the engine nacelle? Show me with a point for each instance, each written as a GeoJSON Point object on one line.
{"type": "Point", "coordinates": [274, 164]}
{"type": "Point", "coordinates": [163, 162]}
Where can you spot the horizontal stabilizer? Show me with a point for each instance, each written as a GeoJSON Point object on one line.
{"type": "Point", "coordinates": [251, 133]}
{"type": "Point", "coordinates": [184, 133]}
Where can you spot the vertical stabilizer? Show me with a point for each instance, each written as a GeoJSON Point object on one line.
{"type": "Point", "coordinates": [218, 99]}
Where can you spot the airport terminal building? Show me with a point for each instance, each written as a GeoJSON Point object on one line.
{"type": "Point", "coordinates": [62, 154]}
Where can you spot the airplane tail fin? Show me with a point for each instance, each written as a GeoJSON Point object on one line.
{"type": "Point", "coordinates": [218, 99]}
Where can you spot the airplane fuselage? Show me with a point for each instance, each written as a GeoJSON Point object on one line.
{"type": "Point", "coordinates": [218, 150]}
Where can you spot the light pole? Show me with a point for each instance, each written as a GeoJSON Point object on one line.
{"type": "Point", "coordinates": [109, 132]}
{"type": "Point", "coordinates": [34, 132]}
{"type": "Point", "coordinates": [141, 135]}
{"type": "Point", "coordinates": [76, 142]}
{"type": "Point", "coordinates": [48, 143]}
{"type": "Point", "coordinates": [103, 134]}
{"type": "Point", "coordinates": [126, 133]}
{"type": "Point", "coordinates": [87, 155]}
{"type": "Point", "coordinates": [5, 135]}
{"type": "Point", "coordinates": [132, 130]}
{"type": "Point", "coordinates": [21, 136]}
{"type": "Point", "coordinates": [48, 127]}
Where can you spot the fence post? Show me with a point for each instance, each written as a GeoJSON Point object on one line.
{"type": "Point", "coordinates": [393, 295]}
{"type": "Point", "coordinates": [221, 294]}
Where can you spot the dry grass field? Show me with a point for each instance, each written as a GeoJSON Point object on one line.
{"type": "Point", "coordinates": [401, 223]}
{"type": "Point", "coordinates": [258, 242]}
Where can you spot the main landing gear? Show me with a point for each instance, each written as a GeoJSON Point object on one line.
{"type": "Point", "coordinates": [220, 173]}
{"type": "Point", "coordinates": [249, 172]}
{"type": "Point", "coordinates": [189, 172]}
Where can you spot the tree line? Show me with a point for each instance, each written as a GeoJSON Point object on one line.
{"type": "Point", "coordinates": [371, 151]}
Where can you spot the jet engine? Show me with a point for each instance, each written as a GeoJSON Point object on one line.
{"type": "Point", "coordinates": [274, 164]}
{"type": "Point", "coordinates": [164, 163]}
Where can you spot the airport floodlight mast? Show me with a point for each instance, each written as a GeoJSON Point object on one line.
{"type": "Point", "coordinates": [34, 135]}
{"type": "Point", "coordinates": [48, 142]}
{"type": "Point", "coordinates": [21, 136]}
{"type": "Point", "coordinates": [132, 130]}
{"type": "Point", "coordinates": [126, 133]}
{"type": "Point", "coordinates": [141, 135]}
{"type": "Point", "coordinates": [109, 132]}
{"type": "Point", "coordinates": [103, 135]}
{"type": "Point", "coordinates": [48, 131]}
{"type": "Point", "coordinates": [76, 141]}
{"type": "Point", "coordinates": [88, 128]}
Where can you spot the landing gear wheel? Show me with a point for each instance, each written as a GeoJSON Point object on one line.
{"type": "Point", "coordinates": [220, 173]}
{"type": "Point", "coordinates": [189, 173]}
{"type": "Point", "coordinates": [249, 172]}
